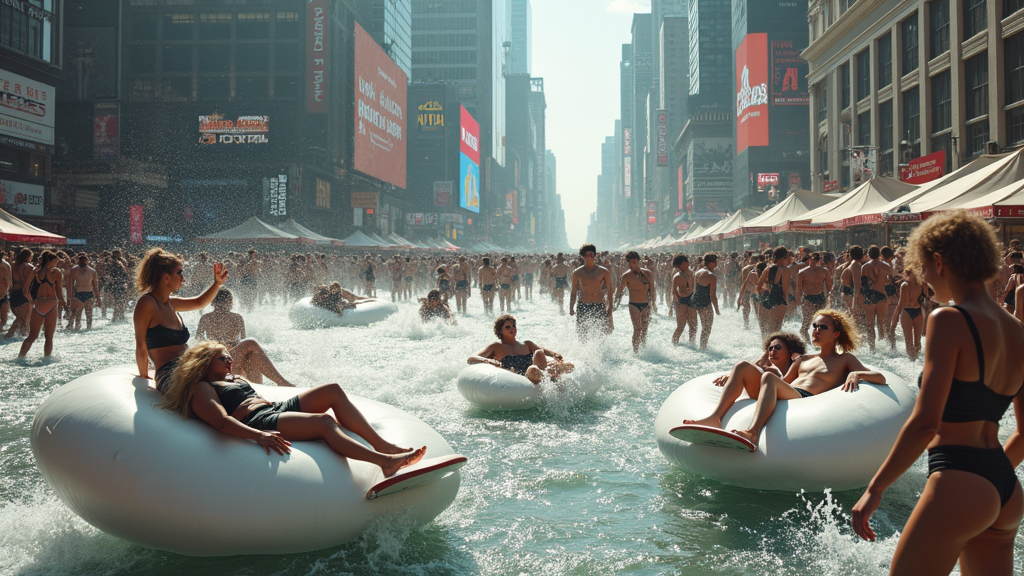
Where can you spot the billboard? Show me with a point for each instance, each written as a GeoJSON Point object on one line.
{"type": "Point", "coordinates": [318, 81]}
{"type": "Point", "coordinates": [752, 92]}
{"type": "Point", "coordinates": [430, 116]}
{"type": "Point", "coordinates": [662, 137]}
{"type": "Point", "coordinates": [469, 164]}
{"type": "Point", "coordinates": [789, 75]}
{"type": "Point", "coordinates": [443, 193]}
{"type": "Point", "coordinates": [381, 91]}
{"type": "Point", "coordinates": [22, 199]}
{"type": "Point", "coordinates": [26, 108]}
{"type": "Point", "coordinates": [215, 129]}
{"type": "Point", "coordinates": [106, 131]}
{"type": "Point", "coordinates": [135, 223]}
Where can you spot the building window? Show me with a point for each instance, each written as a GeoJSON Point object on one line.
{"type": "Point", "coordinates": [1015, 127]}
{"type": "Point", "coordinates": [28, 29]}
{"type": "Point", "coordinates": [822, 104]}
{"type": "Point", "coordinates": [864, 129]}
{"type": "Point", "coordinates": [912, 115]}
{"type": "Point", "coordinates": [938, 27]}
{"type": "Point", "coordinates": [178, 26]}
{"type": "Point", "coordinates": [252, 58]}
{"type": "Point", "coordinates": [216, 26]}
{"type": "Point", "coordinates": [976, 84]}
{"type": "Point", "coordinates": [942, 102]}
{"type": "Point", "coordinates": [908, 33]}
{"type": "Point", "coordinates": [975, 17]}
{"type": "Point", "coordinates": [286, 58]}
{"type": "Point", "coordinates": [176, 58]}
{"type": "Point", "coordinates": [144, 26]}
{"type": "Point", "coordinates": [1011, 6]}
{"type": "Point", "coordinates": [176, 89]}
{"type": "Point", "coordinates": [215, 88]}
{"type": "Point", "coordinates": [286, 87]}
{"type": "Point", "coordinates": [1013, 48]}
{"type": "Point", "coordinates": [884, 61]}
{"type": "Point", "coordinates": [252, 88]}
{"type": "Point", "coordinates": [253, 25]}
{"type": "Point", "coordinates": [944, 142]}
{"type": "Point", "coordinates": [885, 139]}
{"type": "Point", "coordinates": [863, 75]}
{"type": "Point", "coordinates": [142, 59]}
{"type": "Point", "coordinates": [214, 57]}
{"type": "Point", "coordinates": [323, 194]}
{"type": "Point", "coordinates": [977, 138]}
{"type": "Point", "coordinates": [844, 86]}
{"type": "Point", "coordinates": [287, 25]}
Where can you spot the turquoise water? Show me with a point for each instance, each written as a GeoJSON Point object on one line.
{"type": "Point", "coordinates": [577, 486]}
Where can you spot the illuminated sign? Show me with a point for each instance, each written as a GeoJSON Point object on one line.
{"type": "Point", "coordinates": [652, 212]}
{"type": "Point", "coordinates": [26, 108]}
{"type": "Point", "coordinates": [662, 137]}
{"type": "Point", "coordinates": [469, 164]}
{"type": "Point", "coordinates": [752, 92]}
{"type": "Point", "coordinates": [627, 141]}
{"type": "Point", "coordinates": [765, 180]}
{"type": "Point", "coordinates": [317, 53]}
{"type": "Point", "coordinates": [430, 115]}
{"type": "Point", "coordinates": [365, 200]}
{"type": "Point", "coordinates": [380, 96]}
{"type": "Point", "coordinates": [106, 131]}
{"type": "Point", "coordinates": [626, 176]}
{"type": "Point", "coordinates": [789, 75]}
{"type": "Point", "coordinates": [21, 198]}
{"type": "Point", "coordinates": [215, 129]}
{"type": "Point", "coordinates": [831, 186]}
{"type": "Point", "coordinates": [279, 195]}
{"type": "Point", "coordinates": [135, 223]}
{"type": "Point", "coordinates": [924, 169]}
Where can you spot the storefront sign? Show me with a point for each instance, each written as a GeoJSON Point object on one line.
{"type": "Point", "coordinates": [106, 131]}
{"type": "Point", "coordinates": [135, 224]}
{"type": "Point", "coordinates": [20, 198]}
{"type": "Point", "coordinates": [765, 180]}
{"type": "Point", "coordinates": [661, 139]}
{"type": "Point", "coordinates": [443, 193]}
{"type": "Point", "coordinates": [215, 129]}
{"type": "Point", "coordinates": [831, 186]}
{"type": "Point", "coordinates": [367, 200]}
{"type": "Point", "coordinates": [318, 82]}
{"type": "Point", "coordinates": [900, 217]}
{"type": "Point", "coordinates": [924, 169]}
{"type": "Point", "coordinates": [26, 108]}
{"type": "Point", "coordinates": [421, 219]}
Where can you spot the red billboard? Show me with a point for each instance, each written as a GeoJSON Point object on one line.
{"type": "Point", "coordinates": [789, 75]}
{"type": "Point", "coordinates": [652, 212]}
{"type": "Point", "coordinates": [317, 52]}
{"type": "Point", "coordinates": [381, 89]}
{"type": "Point", "coordinates": [469, 161]}
{"type": "Point", "coordinates": [752, 92]}
{"type": "Point", "coordinates": [924, 169]}
{"type": "Point", "coordinates": [662, 137]}
{"type": "Point", "coordinates": [135, 223]}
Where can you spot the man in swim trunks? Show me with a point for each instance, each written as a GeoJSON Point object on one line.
{"type": "Point", "coordinates": [529, 267]}
{"type": "Point", "coordinates": [813, 284]}
{"type": "Point", "coordinates": [560, 282]}
{"type": "Point", "coordinates": [395, 268]}
{"type": "Point", "coordinates": [84, 288]}
{"type": "Point", "coordinates": [873, 300]}
{"type": "Point", "coordinates": [595, 303]}
{"type": "Point", "coordinates": [460, 275]}
{"type": "Point", "coordinates": [682, 290]}
{"type": "Point", "coordinates": [409, 272]}
{"type": "Point", "coordinates": [514, 267]}
{"type": "Point", "coordinates": [488, 277]}
{"type": "Point", "coordinates": [504, 285]}
{"type": "Point", "coordinates": [834, 366]}
{"type": "Point", "coordinates": [640, 282]}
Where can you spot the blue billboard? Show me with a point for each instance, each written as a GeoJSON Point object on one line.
{"type": "Point", "coordinates": [469, 184]}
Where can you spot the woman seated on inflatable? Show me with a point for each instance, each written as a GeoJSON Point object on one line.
{"type": "Point", "coordinates": [835, 365]}
{"type": "Point", "coordinates": [335, 298]}
{"type": "Point", "coordinates": [160, 275]}
{"type": "Point", "coordinates": [202, 384]}
{"type": "Point", "coordinates": [781, 349]}
{"type": "Point", "coordinates": [525, 358]}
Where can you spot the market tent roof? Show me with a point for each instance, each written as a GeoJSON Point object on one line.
{"type": "Point", "coordinates": [993, 177]}
{"type": "Point", "coordinates": [693, 232]}
{"type": "Point", "coordinates": [399, 241]}
{"type": "Point", "coordinates": [976, 170]}
{"type": "Point", "coordinates": [866, 199]}
{"type": "Point", "coordinates": [292, 227]}
{"type": "Point", "coordinates": [737, 220]}
{"type": "Point", "coordinates": [793, 207]}
{"type": "Point", "coordinates": [13, 229]}
{"type": "Point", "coordinates": [1007, 201]}
{"type": "Point", "coordinates": [255, 230]}
{"type": "Point", "coordinates": [449, 246]}
{"type": "Point", "coordinates": [360, 240]}
{"type": "Point", "coordinates": [384, 243]}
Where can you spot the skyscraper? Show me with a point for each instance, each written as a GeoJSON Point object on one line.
{"type": "Point", "coordinates": [392, 29]}
{"type": "Point", "coordinates": [710, 24]}
{"type": "Point", "coordinates": [521, 55]}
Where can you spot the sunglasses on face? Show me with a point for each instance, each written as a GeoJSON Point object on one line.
{"type": "Point", "coordinates": [225, 358]}
{"type": "Point", "coordinates": [179, 273]}
{"type": "Point", "coordinates": [821, 327]}
{"type": "Point", "coordinates": [775, 348]}
{"type": "Point", "coordinates": [511, 325]}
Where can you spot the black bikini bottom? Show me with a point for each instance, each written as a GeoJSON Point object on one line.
{"type": "Point", "coordinates": [817, 299]}
{"type": "Point", "coordinates": [912, 312]}
{"type": "Point", "coordinates": [872, 296]}
{"type": "Point", "coordinates": [265, 417]}
{"type": "Point", "coordinates": [163, 375]}
{"type": "Point", "coordinates": [684, 300]}
{"type": "Point", "coordinates": [639, 305]}
{"type": "Point", "coordinates": [991, 464]}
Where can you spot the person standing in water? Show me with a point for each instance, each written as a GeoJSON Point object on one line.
{"type": "Point", "coordinates": [774, 285]}
{"type": "Point", "coordinates": [488, 277]}
{"type": "Point", "coordinates": [46, 293]}
{"type": "Point", "coordinates": [705, 296]}
{"type": "Point", "coordinates": [909, 313]}
{"type": "Point", "coordinates": [560, 283]}
{"type": "Point", "coordinates": [640, 282]}
{"type": "Point", "coordinates": [5, 286]}
{"type": "Point", "coordinates": [84, 287]}
{"type": "Point", "coordinates": [872, 298]}
{"type": "Point", "coordinates": [460, 275]}
{"type": "Point", "coordinates": [589, 283]}
{"type": "Point", "coordinates": [972, 503]}
{"type": "Point", "coordinates": [682, 292]}
{"type": "Point", "coordinates": [504, 272]}
{"type": "Point", "coordinates": [813, 285]}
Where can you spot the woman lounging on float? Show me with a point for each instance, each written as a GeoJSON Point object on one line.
{"type": "Point", "coordinates": [525, 358]}
{"type": "Point", "coordinates": [159, 275]}
{"type": "Point", "coordinates": [808, 376]}
{"type": "Point", "coordinates": [781, 349]}
{"type": "Point", "coordinates": [972, 502]}
{"type": "Point", "coordinates": [202, 385]}
{"type": "Point", "coordinates": [335, 298]}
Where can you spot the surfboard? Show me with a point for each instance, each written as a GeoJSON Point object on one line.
{"type": "Point", "coordinates": [710, 436]}
{"type": "Point", "coordinates": [422, 472]}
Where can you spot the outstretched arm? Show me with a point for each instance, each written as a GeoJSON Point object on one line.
{"type": "Point", "coordinates": [220, 275]}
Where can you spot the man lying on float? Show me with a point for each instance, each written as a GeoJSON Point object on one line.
{"type": "Point", "coordinates": [835, 365]}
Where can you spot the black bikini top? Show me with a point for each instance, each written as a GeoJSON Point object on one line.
{"type": "Point", "coordinates": [232, 395]}
{"type": "Point", "coordinates": [161, 336]}
{"type": "Point", "coordinates": [34, 288]}
{"type": "Point", "coordinates": [973, 401]}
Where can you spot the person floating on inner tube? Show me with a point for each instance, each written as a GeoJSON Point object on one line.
{"type": "Point", "coordinates": [202, 384]}
{"type": "Point", "coordinates": [335, 298]}
{"type": "Point", "coordinates": [832, 367]}
{"type": "Point", "coordinates": [434, 308]}
{"type": "Point", "coordinates": [525, 358]}
{"type": "Point", "coordinates": [781, 349]}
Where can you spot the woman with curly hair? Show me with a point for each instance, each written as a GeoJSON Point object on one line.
{"type": "Point", "coordinates": [202, 384]}
{"type": "Point", "coordinates": [161, 334]}
{"type": "Point", "coordinates": [525, 358]}
{"type": "Point", "coordinates": [972, 503]}
{"type": "Point", "coordinates": [833, 366]}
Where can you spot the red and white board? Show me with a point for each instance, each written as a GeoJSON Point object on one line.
{"type": "Point", "coordinates": [711, 436]}
{"type": "Point", "coordinates": [422, 472]}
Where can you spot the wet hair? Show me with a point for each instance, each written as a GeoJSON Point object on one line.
{"type": "Point", "coordinates": [874, 252]}
{"type": "Point", "coordinates": [46, 257]}
{"type": "Point", "coordinates": [856, 252]}
{"type": "Point", "coordinates": [828, 257]}
{"type": "Point", "coordinates": [710, 257]}
{"type": "Point", "coordinates": [1016, 256]}
{"type": "Point", "coordinates": [187, 374]}
{"type": "Point", "coordinates": [487, 261]}
{"type": "Point", "coordinates": [734, 255]}
{"type": "Point", "coordinates": [849, 338]}
{"type": "Point", "coordinates": [680, 259]}
{"type": "Point", "coordinates": [887, 252]}
{"type": "Point", "coordinates": [760, 267]}
{"type": "Point", "coordinates": [815, 256]}
{"type": "Point", "coordinates": [500, 323]}
{"type": "Point", "coordinates": [967, 244]}
{"type": "Point", "coordinates": [25, 255]}
{"type": "Point", "coordinates": [588, 248]}
{"type": "Point", "coordinates": [791, 341]}
{"type": "Point", "coordinates": [779, 253]}
{"type": "Point", "coordinates": [83, 259]}
{"type": "Point", "coordinates": [1017, 268]}
{"type": "Point", "coordinates": [223, 296]}
{"type": "Point", "coordinates": [632, 255]}
{"type": "Point", "coordinates": [153, 266]}
{"type": "Point", "coordinates": [440, 269]}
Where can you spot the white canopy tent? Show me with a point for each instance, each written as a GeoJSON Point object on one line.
{"type": "Point", "coordinates": [13, 229]}
{"type": "Point", "coordinates": [255, 230]}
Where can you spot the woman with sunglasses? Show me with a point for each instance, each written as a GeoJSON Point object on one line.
{"type": "Point", "coordinates": [524, 358]}
{"type": "Point", "coordinates": [781, 349]}
{"type": "Point", "coordinates": [972, 503]}
{"type": "Point", "coordinates": [161, 334]}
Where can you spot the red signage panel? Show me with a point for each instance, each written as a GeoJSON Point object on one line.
{"type": "Point", "coordinates": [380, 101]}
{"type": "Point", "coordinates": [752, 92]}
{"type": "Point", "coordinates": [317, 56]}
{"type": "Point", "coordinates": [469, 136]}
{"type": "Point", "coordinates": [662, 137]}
{"type": "Point", "coordinates": [831, 186]}
{"type": "Point", "coordinates": [924, 169]}
{"type": "Point", "coordinates": [652, 212]}
{"type": "Point", "coordinates": [135, 224]}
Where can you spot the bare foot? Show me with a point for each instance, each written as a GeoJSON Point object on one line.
{"type": "Point", "coordinates": [534, 374]}
{"type": "Point", "coordinates": [389, 448]}
{"type": "Point", "coordinates": [396, 462]}
{"type": "Point", "coordinates": [754, 438]}
{"type": "Point", "coordinates": [709, 421]}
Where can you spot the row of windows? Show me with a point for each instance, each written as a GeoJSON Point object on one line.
{"type": "Point", "coordinates": [452, 73]}
{"type": "Point", "coordinates": [26, 35]}
{"type": "Point", "coordinates": [214, 58]}
{"type": "Point", "coordinates": [427, 57]}
{"type": "Point", "coordinates": [189, 88]}
{"type": "Point", "coordinates": [443, 7]}
{"type": "Point", "coordinates": [150, 26]}
{"type": "Point", "coordinates": [443, 40]}
{"type": "Point", "coordinates": [432, 24]}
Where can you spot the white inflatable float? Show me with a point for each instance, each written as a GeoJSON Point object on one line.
{"type": "Point", "coordinates": [833, 440]}
{"type": "Point", "coordinates": [145, 475]}
{"type": "Point", "coordinates": [491, 388]}
{"type": "Point", "coordinates": [305, 315]}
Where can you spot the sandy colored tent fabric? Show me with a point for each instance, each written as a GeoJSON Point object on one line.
{"type": "Point", "coordinates": [13, 229]}
{"type": "Point", "coordinates": [792, 208]}
{"type": "Point", "coordinates": [292, 227]}
{"type": "Point", "coordinates": [966, 176]}
{"type": "Point", "coordinates": [384, 243]}
{"type": "Point", "coordinates": [360, 240]}
{"type": "Point", "coordinates": [255, 230]}
{"type": "Point", "coordinates": [693, 232]}
{"type": "Point", "coordinates": [1006, 202]}
{"type": "Point", "coordinates": [737, 220]}
{"type": "Point", "coordinates": [866, 199]}
{"type": "Point", "coordinates": [399, 241]}
{"type": "Point", "coordinates": [989, 179]}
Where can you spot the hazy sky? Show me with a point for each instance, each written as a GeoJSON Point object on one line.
{"type": "Point", "coordinates": [577, 45]}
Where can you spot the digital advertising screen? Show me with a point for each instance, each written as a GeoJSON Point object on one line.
{"type": "Point", "coordinates": [752, 92]}
{"type": "Point", "coordinates": [380, 127]}
{"type": "Point", "coordinates": [469, 164]}
{"type": "Point", "coordinates": [789, 75]}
